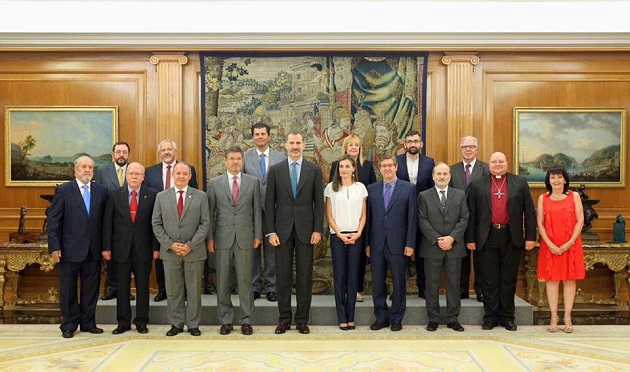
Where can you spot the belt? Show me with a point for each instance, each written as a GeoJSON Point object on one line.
{"type": "Point", "coordinates": [498, 226]}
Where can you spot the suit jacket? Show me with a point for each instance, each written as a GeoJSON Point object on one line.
{"type": "Point", "coordinates": [107, 176]}
{"type": "Point", "coordinates": [192, 229]}
{"type": "Point", "coordinates": [283, 211]}
{"type": "Point", "coordinates": [71, 229]}
{"type": "Point", "coordinates": [241, 222]}
{"type": "Point", "coordinates": [424, 180]}
{"type": "Point", "coordinates": [251, 165]}
{"type": "Point", "coordinates": [365, 172]}
{"type": "Point", "coordinates": [521, 212]}
{"type": "Point", "coordinates": [458, 174]}
{"type": "Point", "coordinates": [120, 233]}
{"type": "Point", "coordinates": [435, 222]}
{"type": "Point", "coordinates": [153, 177]}
{"type": "Point", "coordinates": [397, 225]}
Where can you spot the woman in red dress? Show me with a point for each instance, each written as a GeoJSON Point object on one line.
{"type": "Point", "coordinates": [560, 258]}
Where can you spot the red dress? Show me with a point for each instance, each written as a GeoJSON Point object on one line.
{"type": "Point", "coordinates": [559, 224]}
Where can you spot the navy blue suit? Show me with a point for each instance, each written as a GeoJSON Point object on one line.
{"type": "Point", "coordinates": [389, 232]}
{"type": "Point", "coordinates": [78, 236]}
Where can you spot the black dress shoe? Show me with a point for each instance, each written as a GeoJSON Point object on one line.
{"type": "Point", "coordinates": [109, 296]}
{"type": "Point", "coordinates": [271, 297]}
{"type": "Point", "coordinates": [479, 297]}
{"type": "Point", "coordinates": [377, 326]}
{"type": "Point", "coordinates": [120, 330]}
{"type": "Point", "coordinates": [303, 328]}
{"type": "Point", "coordinates": [226, 329]}
{"type": "Point", "coordinates": [247, 329]}
{"type": "Point", "coordinates": [455, 326]}
{"type": "Point", "coordinates": [174, 331]}
{"type": "Point", "coordinates": [209, 289]}
{"type": "Point", "coordinates": [67, 334]}
{"type": "Point", "coordinates": [396, 327]}
{"type": "Point", "coordinates": [132, 297]}
{"type": "Point", "coordinates": [194, 332]}
{"type": "Point", "coordinates": [432, 326]}
{"type": "Point", "coordinates": [343, 328]}
{"type": "Point", "coordinates": [142, 329]}
{"type": "Point", "coordinates": [509, 325]}
{"type": "Point", "coordinates": [161, 296]}
{"type": "Point", "coordinates": [352, 327]}
{"type": "Point", "coordinates": [421, 294]}
{"type": "Point", "coordinates": [93, 330]}
{"type": "Point", "coordinates": [464, 295]}
{"type": "Point", "coordinates": [256, 295]}
{"type": "Point", "coordinates": [487, 326]}
{"type": "Point", "coordinates": [282, 328]}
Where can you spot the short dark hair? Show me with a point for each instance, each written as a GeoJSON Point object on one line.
{"type": "Point", "coordinates": [261, 125]}
{"type": "Point", "coordinates": [413, 133]}
{"type": "Point", "coordinates": [121, 143]}
{"type": "Point", "coordinates": [232, 149]}
{"type": "Point", "coordinates": [560, 171]}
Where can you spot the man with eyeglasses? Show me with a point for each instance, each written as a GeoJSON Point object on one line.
{"type": "Point", "coordinates": [112, 176]}
{"type": "Point", "coordinates": [416, 168]}
{"type": "Point", "coordinates": [160, 177]}
{"type": "Point", "coordinates": [462, 174]}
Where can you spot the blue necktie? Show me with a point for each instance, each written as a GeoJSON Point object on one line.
{"type": "Point", "coordinates": [263, 166]}
{"type": "Point", "coordinates": [294, 178]}
{"type": "Point", "coordinates": [388, 194]}
{"type": "Point", "coordinates": [86, 197]}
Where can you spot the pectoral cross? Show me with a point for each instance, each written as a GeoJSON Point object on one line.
{"type": "Point", "coordinates": [499, 194]}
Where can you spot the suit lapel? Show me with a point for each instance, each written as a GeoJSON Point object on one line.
{"type": "Point", "coordinates": [76, 194]}
{"type": "Point", "coordinates": [436, 199]}
{"type": "Point", "coordinates": [395, 193]}
{"type": "Point", "coordinates": [227, 187]}
{"type": "Point", "coordinates": [190, 196]}
{"type": "Point", "coordinates": [476, 172]}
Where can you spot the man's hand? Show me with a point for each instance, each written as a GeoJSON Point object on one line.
{"type": "Point", "coordinates": [367, 251]}
{"type": "Point", "coordinates": [471, 246]}
{"type": "Point", "coordinates": [529, 245]}
{"type": "Point", "coordinates": [56, 256]}
{"type": "Point", "coordinates": [315, 237]}
{"type": "Point", "coordinates": [408, 251]}
{"type": "Point", "coordinates": [274, 240]}
{"type": "Point", "coordinates": [210, 245]}
{"type": "Point", "coordinates": [156, 255]}
{"type": "Point", "coordinates": [445, 242]}
{"type": "Point", "coordinates": [107, 255]}
{"type": "Point", "coordinates": [257, 243]}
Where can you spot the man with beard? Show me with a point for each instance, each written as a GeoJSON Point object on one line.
{"type": "Point", "coordinates": [502, 222]}
{"type": "Point", "coordinates": [416, 168]}
{"type": "Point", "coordinates": [113, 176]}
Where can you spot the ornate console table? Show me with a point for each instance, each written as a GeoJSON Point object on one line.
{"type": "Point", "coordinates": [13, 258]}
{"type": "Point", "coordinates": [614, 255]}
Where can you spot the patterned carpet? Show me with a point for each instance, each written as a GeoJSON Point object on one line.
{"type": "Point", "coordinates": [27, 347]}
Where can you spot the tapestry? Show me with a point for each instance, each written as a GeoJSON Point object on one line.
{"type": "Point", "coordinates": [326, 97]}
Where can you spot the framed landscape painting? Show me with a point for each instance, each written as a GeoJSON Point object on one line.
{"type": "Point", "coordinates": [590, 143]}
{"type": "Point", "coordinates": [42, 142]}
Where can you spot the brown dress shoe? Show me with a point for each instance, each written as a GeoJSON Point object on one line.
{"type": "Point", "coordinates": [282, 328]}
{"type": "Point", "coordinates": [303, 328]}
{"type": "Point", "coordinates": [226, 329]}
{"type": "Point", "coordinates": [247, 329]}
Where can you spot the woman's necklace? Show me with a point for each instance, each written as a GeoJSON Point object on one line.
{"type": "Point", "coordinates": [499, 194]}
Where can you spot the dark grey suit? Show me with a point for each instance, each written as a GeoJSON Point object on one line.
{"type": "Point", "coordinates": [251, 165]}
{"type": "Point", "coordinates": [182, 272]}
{"type": "Point", "coordinates": [436, 221]}
{"type": "Point", "coordinates": [294, 220]}
{"type": "Point", "coordinates": [234, 229]}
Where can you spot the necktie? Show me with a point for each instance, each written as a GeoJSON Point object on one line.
{"type": "Point", "coordinates": [467, 174]}
{"type": "Point", "coordinates": [121, 174]}
{"type": "Point", "coordinates": [180, 204]}
{"type": "Point", "coordinates": [388, 194]}
{"type": "Point", "coordinates": [86, 197]}
{"type": "Point", "coordinates": [234, 190]}
{"type": "Point", "coordinates": [443, 198]}
{"type": "Point", "coordinates": [294, 178]}
{"type": "Point", "coordinates": [263, 166]}
{"type": "Point", "coordinates": [133, 205]}
{"type": "Point", "coordinates": [167, 181]}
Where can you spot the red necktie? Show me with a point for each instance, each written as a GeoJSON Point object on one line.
{"type": "Point", "coordinates": [167, 181]}
{"type": "Point", "coordinates": [180, 204]}
{"type": "Point", "coordinates": [235, 190]}
{"type": "Point", "coordinates": [133, 205]}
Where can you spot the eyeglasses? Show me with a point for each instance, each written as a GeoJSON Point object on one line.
{"type": "Point", "coordinates": [121, 152]}
{"type": "Point", "coordinates": [387, 165]}
{"type": "Point", "coordinates": [468, 147]}
{"type": "Point", "coordinates": [413, 141]}
{"type": "Point", "coordinates": [169, 149]}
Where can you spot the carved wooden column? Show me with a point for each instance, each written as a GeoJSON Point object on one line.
{"type": "Point", "coordinates": [169, 95]}
{"type": "Point", "coordinates": [459, 99]}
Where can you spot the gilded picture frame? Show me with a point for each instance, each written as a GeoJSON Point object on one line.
{"type": "Point", "coordinates": [42, 142]}
{"type": "Point", "coordinates": [590, 143]}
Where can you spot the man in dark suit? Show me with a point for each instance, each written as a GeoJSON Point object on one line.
{"type": "Point", "coordinates": [442, 217]}
{"type": "Point", "coordinates": [392, 225]}
{"type": "Point", "coordinates": [294, 222]}
{"type": "Point", "coordinates": [416, 168]}
{"type": "Point", "coordinates": [462, 174]}
{"type": "Point", "coordinates": [237, 214]}
{"type": "Point", "coordinates": [500, 208]}
{"type": "Point", "coordinates": [257, 163]}
{"type": "Point", "coordinates": [181, 222]}
{"type": "Point", "coordinates": [128, 240]}
{"type": "Point", "coordinates": [160, 177]}
{"type": "Point", "coordinates": [112, 176]}
{"type": "Point", "coordinates": [75, 222]}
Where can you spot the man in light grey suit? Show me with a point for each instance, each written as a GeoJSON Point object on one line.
{"type": "Point", "coordinates": [257, 163]}
{"type": "Point", "coordinates": [462, 174]}
{"type": "Point", "coordinates": [234, 201]}
{"type": "Point", "coordinates": [181, 222]}
{"type": "Point", "coordinates": [442, 218]}
{"type": "Point", "coordinates": [113, 176]}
